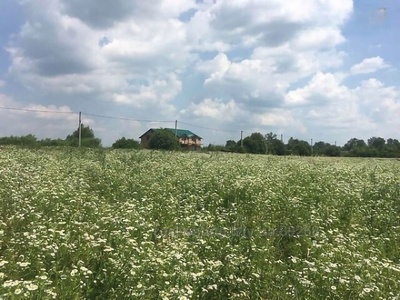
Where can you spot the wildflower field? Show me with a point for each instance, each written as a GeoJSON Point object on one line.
{"type": "Point", "coordinates": [101, 224]}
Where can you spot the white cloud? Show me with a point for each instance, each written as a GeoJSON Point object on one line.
{"type": "Point", "coordinates": [322, 89]}
{"type": "Point", "coordinates": [318, 38]}
{"type": "Point", "coordinates": [38, 119]}
{"type": "Point", "coordinates": [369, 65]}
{"type": "Point", "coordinates": [329, 108]}
{"type": "Point", "coordinates": [157, 93]}
{"type": "Point", "coordinates": [2, 83]}
{"type": "Point", "coordinates": [213, 109]}
{"type": "Point", "coordinates": [246, 60]}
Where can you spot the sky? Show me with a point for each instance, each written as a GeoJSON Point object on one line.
{"type": "Point", "coordinates": [325, 70]}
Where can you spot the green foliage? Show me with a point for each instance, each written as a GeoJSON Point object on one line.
{"type": "Point", "coordinates": [377, 147]}
{"type": "Point", "coordinates": [274, 145]}
{"type": "Point", "coordinates": [299, 147]}
{"type": "Point", "coordinates": [163, 139]}
{"type": "Point", "coordinates": [325, 149]}
{"type": "Point", "coordinates": [53, 142]}
{"type": "Point", "coordinates": [353, 144]}
{"type": "Point", "coordinates": [376, 143]}
{"type": "Point", "coordinates": [231, 146]}
{"type": "Point", "coordinates": [26, 140]}
{"type": "Point", "coordinates": [124, 143]}
{"type": "Point", "coordinates": [86, 133]}
{"type": "Point", "coordinates": [88, 138]}
{"type": "Point", "coordinates": [255, 143]}
{"type": "Point", "coordinates": [212, 147]}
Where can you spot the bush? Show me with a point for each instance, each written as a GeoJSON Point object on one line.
{"type": "Point", "coordinates": [124, 143]}
{"type": "Point", "coordinates": [163, 139]}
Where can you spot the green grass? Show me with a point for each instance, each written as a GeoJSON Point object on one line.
{"type": "Point", "coordinates": [97, 224]}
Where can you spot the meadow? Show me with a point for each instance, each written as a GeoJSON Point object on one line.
{"type": "Point", "coordinates": [102, 224]}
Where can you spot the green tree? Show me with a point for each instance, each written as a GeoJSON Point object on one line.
{"type": "Point", "coordinates": [52, 142]}
{"type": "Point", "coordinates": [392, 148]}
{"type": "Point", "coordinates": [376, 143]}
{"type": "Point", "coordinates": [23, 140]}
{"type": "Point", "coordinates": [163, 139]}
{"type": "Point", "coordinates": [255, 143]}
{"type": "Point", "coordinates": [353, 144]}
{"type": "Point", "coordinates": [88, 138]}
{"type": "Point", "coordinates": [332, 150]}
{"type": "Point", "coordinates": [124, 143]}
{"type": "Point", "coordinates": [319, 148]}
{"type": "Point", "coordinates": [274, 145]}
{"type": "Point", "coordinates": [299, 147]}
{"type": "Point", "coordinates": [358, 148]}
{"type": "Point", "coordinates": [231, 145]}
{"type": "Point", "coordinates": [86, 133]}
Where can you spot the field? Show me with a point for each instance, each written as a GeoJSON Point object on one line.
{"type": "Point", "coordinates": [99, 224]}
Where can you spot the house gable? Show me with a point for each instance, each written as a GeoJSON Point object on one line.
{"type": "Point", "coordinates": [187, 139]}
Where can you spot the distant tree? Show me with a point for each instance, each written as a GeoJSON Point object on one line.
{"type": "Point", "coordinates": [392, 148]}
{"type": "Point", "coordinates": [163, 139]}
{"type": "Point", "coordinates": [255, 143]}
{"type": "Point", "coordinates": [332, 150]}
{"type": "Point", "coordinates": [393, 142]}
{"type": "Point", "coordinates": [319, 148]}
{"type": "Point", "coordinates": [212, 147]}
{"type": "Point", "coordinates": [52, 142]}
{"type": "Point", "coordinates": [353, 144]}
{"type": "Point", "coordinates": [326, 149]}
{"type": "Point", "coordinates": [88, 138]}
{"type": "Point", "coordinates": [299, 147]}
{"type": "Point", "coordinates": [358, 148]}
{"type": "Point", "coordinates": [376, 143]}
{"type": "Point", "coordinates": [231, 145]}
{"type": "Point", "coordinates": [274, 145]}
{"type": "Point", "coordinates": [86, 133]}
{"type": "Point", "coordinates": [124, 143]}
{"type": "Point", "coordinates": [23, 140]}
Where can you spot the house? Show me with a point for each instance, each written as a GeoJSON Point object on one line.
{"type": "Point", "coordinates": [187, 139]}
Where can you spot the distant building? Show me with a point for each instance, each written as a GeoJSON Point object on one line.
{"type": "Point", "coordinates": [187, 139]}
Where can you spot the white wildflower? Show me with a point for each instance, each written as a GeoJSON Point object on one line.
{"type": "Point", "coordinates": [17, 291]}
{"type": "Point", "coordinates": [32, 287]}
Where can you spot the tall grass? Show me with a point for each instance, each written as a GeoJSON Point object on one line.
{"type": "Point", "coordinates": [155, 225]}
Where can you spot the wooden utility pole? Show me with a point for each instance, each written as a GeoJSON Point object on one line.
{"type": "Point", "coordinates": [311, 147]}
{"type": "Point", "coordinates": [80, 130]}
{"type": "Point", "coordinates": [241, 138]}
{"type": "Point", "coordinates": [176, 128]}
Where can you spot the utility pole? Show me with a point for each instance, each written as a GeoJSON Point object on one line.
{"type": "Point", "coordinates": [335, 143]}
{"type": "Point", "coordinates": [176, 128]}
{"type": "Point", "coordinates": [80, 130]}
{"type": "Point", "coordinates": [311, 147]}
{"type": "Point", "coordinates": [282, 138]}
{"type": "Point", "coordinates": [241, 138]}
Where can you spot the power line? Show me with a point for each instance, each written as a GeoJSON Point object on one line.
{"type": "Point", "coordinates": [126, 119]}
{"type": "Point", "coordinates": [208, 128]}
{"type": "Point", "coordinates": [113, 117]}
{"type": "Point", "coordinates": [38, 111]}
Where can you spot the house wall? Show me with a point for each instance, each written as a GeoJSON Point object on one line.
{"type": "Point", "coordinates": [186, 141]}
{"type": "Point", "coordinates": [144, 140]}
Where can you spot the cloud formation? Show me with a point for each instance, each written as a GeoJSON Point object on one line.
{"type": "Point", "coordinates": [369, 65]}
{"type": "Point", "coordinates": [238, 64]}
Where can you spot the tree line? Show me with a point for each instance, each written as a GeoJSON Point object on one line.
{"type": "Point", "coordinates": [256, 143]}
{"type": "Point", "coordinates": [269, 143]}
{"type": "Point", "coordinates": [88, 140]}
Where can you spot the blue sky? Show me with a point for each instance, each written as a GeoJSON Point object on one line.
{"type": "Point", "coordinates": [312, 69]}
